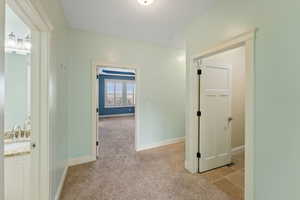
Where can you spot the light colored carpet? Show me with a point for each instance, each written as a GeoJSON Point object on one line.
{"type": "Point", "coordinates": [158, 174]}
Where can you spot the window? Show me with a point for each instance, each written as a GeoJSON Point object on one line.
{"type": "Point", "coordinates": [130, 89]}
{"type": "Point", "coordinates": [119, 93]}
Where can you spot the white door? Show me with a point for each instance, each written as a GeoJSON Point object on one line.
{"type": "Point", "coordinates": [2, 33]}
{"type": "Point", "coordinates": [215, 127]}
{"type": "Point", "coordinates": [97, 117]}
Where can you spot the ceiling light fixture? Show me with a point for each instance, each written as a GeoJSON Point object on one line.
{"type": "Point", "coordinates": [145, 2]}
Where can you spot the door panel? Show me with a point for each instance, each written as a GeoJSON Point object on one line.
{"type": "Point", "coordinates": [97, 118]}
{"type": "Point", "coordinates": [17, 178]}
{"type": "Point", "coordinates": [2, 32]}
{"type": "Point", "coordinates": [215, 130]}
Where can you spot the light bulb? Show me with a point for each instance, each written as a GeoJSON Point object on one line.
{"type": "Point", "coordinates": [20, 43]}
{"type": "Point", "coordinates": [145, 2]}
{"type": "Point", "coordinates": [27, 42]}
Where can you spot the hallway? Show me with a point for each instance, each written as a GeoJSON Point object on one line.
{"type": "Point", "coordinates": [158, 174]}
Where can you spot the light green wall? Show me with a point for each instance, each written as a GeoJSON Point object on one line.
{"type": "Point", "coordinates": [277, 84]}
{"type": "Point", "coordinates": [162, 83]}
{"type": "Point", "coordinates": [16, 108]}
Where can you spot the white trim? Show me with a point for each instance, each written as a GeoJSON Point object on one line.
{"type": "Point", "coordinates": [61, 183]}
{"type": "Point", "coordinates": [232, 43]}
{"type": "Point", "coordinates": [117, 115]}
{"type": "Point", "coordinates": [94, 106]}
{"type": "Point", "coordinates": [246, 39]}
{"type": "Point", "coordinates": [162, 143]}
{"type": "Point", "coordinates": [95, 65]}
{"type": "Point", "coordinates": [81, 160]}
{"type": "Point", "coordinates": [238, 149]}
{"type": "Point", "coordinates": [2, 95]}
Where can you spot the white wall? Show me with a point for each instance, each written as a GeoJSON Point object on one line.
{"type": "Point", "coordinates": [161, 74]}
{"type": "Point", "coordinates": [235, 58]}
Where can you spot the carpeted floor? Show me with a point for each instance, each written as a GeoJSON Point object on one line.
{"type": "Point", "coordinates": [123, 174]}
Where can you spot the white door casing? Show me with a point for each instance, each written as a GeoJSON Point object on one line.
{"type": "Point", "coordinates": [2, 32]}
{"type": "Point", "coordinates": [97, 116]}
{"type": "Point", "coordinates": [215, 121]}
{"type": "Point", "coordinates": [94, 102]}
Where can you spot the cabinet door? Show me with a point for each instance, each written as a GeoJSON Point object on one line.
{"type": "Point", "coordinates": [17, 173]}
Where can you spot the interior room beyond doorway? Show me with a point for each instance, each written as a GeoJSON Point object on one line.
{"type": "Point", "coordinates": [116, 106]}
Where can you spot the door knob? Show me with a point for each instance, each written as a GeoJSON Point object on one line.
{"type": "Point", "coordinates": [33, 145]}
{"type": "Point", "coordinates": [230, 119]}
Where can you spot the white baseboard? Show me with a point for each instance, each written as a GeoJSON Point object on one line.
{"type": "Point", "coordinates": [162, 143]}
{"type": "Point", "coordinates": [81, 160]}
{"type": "Point", "coordinates": [238, 149]}
{"type": "Point", "coordinates": [61, 183]}
{"type": "Point", "coordinates": [117, 115]}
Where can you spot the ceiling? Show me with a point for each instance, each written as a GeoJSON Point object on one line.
{"type": "Point", "coordinates": [163, 22]}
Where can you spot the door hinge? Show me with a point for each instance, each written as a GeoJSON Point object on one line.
{"type": "Point", "coordinates": [97, 110]}
{"type": "Point", "coordinates": [97, 143]}
{"type": "Point", "coordinates": [98, 76]}
{"type": "Point", "coordinates": [198, 155]}
{"type": "Point", "coordinates": [199, 113]}
{"type": "Point", "coordinates": [199, 71]}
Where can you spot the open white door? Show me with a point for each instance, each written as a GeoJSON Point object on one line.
{"type": "Point", "coordinates": [97, 117]}
{"type": "Point", "coordinates": [215, 128]}
{"type": "Point", "coordinates": [2, 33]}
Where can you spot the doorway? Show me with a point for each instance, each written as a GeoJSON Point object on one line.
{"type": "Point", "coordinates": [222, 100]}
{"type": "Point", "coordinates": [193, 154]}
{"type": "Point", "coordinates": [222, 123]}
{"type": "Point", "coordinates": [24, 155]}
{"type": "Point", "coordinates": [115, 109]}
{"type": "Point", "coordinates": [17, 115]}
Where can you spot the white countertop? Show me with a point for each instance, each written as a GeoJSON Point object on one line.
{"type": "Point", "coordinates": [16, 148]}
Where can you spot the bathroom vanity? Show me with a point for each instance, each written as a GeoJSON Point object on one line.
{"type": "Point", "coordinates": [17, 170]}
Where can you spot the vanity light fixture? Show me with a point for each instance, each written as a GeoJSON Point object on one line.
{"type": "Point", "coordinates": [145, 2]}
{"type": "Point", "coordinates": [12, 41]}
{"type": "Point", "coordinates": [20, 45]}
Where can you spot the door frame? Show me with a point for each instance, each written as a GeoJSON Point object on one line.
{"type": "Point", "coordinates": [95, 65]}
{"type": "Point", "coordinates": [247, 40]}
{"type": "Point", "coordinates": [2, 94]}
{"type": "Point", "coordinates": [35, 17]}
